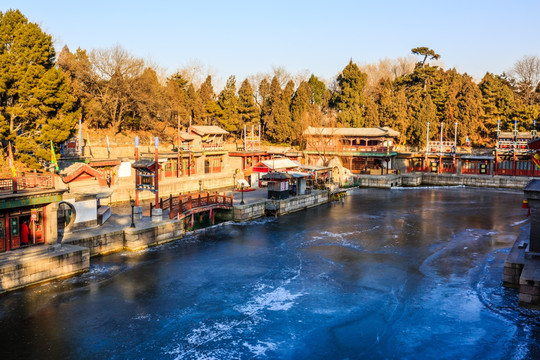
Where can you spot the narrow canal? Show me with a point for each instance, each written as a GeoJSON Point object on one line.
{"type": "Point", "coordinates": [401, 273]}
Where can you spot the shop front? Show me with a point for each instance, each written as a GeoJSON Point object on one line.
{"type": "Point", "coordinates": [24, 220]}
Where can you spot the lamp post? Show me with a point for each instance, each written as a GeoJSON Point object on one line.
{"type": "Point", "coordinates": [132, 203]}
{"type": "Point", "coordinates": [242, 189]}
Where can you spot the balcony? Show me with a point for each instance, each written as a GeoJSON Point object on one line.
{"type": "Point", "coordinates": [350, 149]}
{"type": "Point", "coordinates": [26, 182]}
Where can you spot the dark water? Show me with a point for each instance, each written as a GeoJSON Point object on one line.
{"type": "Point", "coordinates": [397, 274]}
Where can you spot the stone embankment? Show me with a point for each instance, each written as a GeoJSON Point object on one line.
{"type": "Point", "coordinates": [428, 179]}
{"type": "Point", "coordinates": [270, 207]}
{"type": "Point", "coordinates": [42, 263]}
{"type": "Point", "coordinates": [522, 265]}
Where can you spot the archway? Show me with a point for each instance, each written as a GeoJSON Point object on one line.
{"type": "Point", "coordinates": [65, 217]}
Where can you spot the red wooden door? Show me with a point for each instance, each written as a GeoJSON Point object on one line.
{"type": "Point", "coordinates": [2, 234]}
{"type": "Point", "coordinates": [14, 232]}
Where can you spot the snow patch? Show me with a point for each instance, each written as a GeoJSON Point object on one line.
{"type": "Point", "coordinates": [278, 300]}
{"type": "Point", "coordinates": [260, 348]}
{"type": "Point", "coordinates": [518, 222]}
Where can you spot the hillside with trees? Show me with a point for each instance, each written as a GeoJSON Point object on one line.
{"type": "Point", "coordinates": [44, 93]}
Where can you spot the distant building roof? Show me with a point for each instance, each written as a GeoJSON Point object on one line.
{"type": "Point", "coordinates": [276, 176]}
{"type": "Point", "coordinates": [282, 163]}
{"type": "Point", "coordinates": [297, 174]}
{"type": "Point", "coordinates": [278, 150]}
{"type": "Point", "coordinates": [208, 130]}
{"type": "Point", "coordinates": [74, 171]}
{"type": "Point", "coordinates": [143, 163]}
{"type": "Point", "coordinates": [187, 136]}
{"type": "Point", "coordinates": [315, 168]}
{"type": "Point", "coordinates": [520, 134]}
{"type": "Point", "coordinates": [368, 132]}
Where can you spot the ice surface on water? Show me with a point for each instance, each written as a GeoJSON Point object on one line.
{"type": "Point", "coordinates": [229, 331]}
{"type": "Point", "coordinates": [386, 274]}
{"type": "Point", "coordinates": [345, 239]}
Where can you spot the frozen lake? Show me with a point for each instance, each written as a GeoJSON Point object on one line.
{"type": "Point", "coordinates": [397, 274]}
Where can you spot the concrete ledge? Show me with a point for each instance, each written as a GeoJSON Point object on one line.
{"type": "Point", "coordinates": [47, 263]}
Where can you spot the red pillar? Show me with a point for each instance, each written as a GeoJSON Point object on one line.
{"type": "Point", "coordinates": [496, 165]}
{"type": "Point", "coordinates": [136, 176]}
{"type": "Point", "coordinates": [156, 175]}
{"type": "Point", "coordinates": [514, 164]}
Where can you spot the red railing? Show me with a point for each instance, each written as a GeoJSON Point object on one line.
{"type": "Point", "coordinates": [190, 202]}
{"type": "Point", "coordinates": [26, 182]}
{"type": "Point", "coordinates": [212, 147]}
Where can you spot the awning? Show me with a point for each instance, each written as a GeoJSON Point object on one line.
{"type": "Point", "coordinates": [242, 182]}
{"type": "Point", "coordinates": [276, 176]}
{"type": "Point", "coordinates": [297, 174]}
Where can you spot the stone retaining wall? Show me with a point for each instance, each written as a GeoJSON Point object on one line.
{"type": "Point", "coordinates": [379, 181]}
{"type": "Point", "coordinates": [101, 244]}
{"type": "Point", "coordinates": [301, 202]}
{"type": "Point", "coordinates": [428, 179]}
{"type": "Point", "coordinates": [49, 263]}
{"type": "Point", "coordinates": [140, 238]}
{"type": "Point", "coordinates": [249, 211]}
{"type": "Point", "coordinates": [507, 182]}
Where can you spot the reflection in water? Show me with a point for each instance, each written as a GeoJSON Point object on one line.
{"type": "Point", "coordinates": [401, 273]}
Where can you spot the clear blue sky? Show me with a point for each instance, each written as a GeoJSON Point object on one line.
{"type": "Point", "coordinates": [242, 38]}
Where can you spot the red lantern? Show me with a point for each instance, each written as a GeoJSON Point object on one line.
{"type": "Point", "coordinates": [525, 205]}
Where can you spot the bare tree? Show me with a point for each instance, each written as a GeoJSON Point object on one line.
{"type": "Point", "coordinates": [124, 91]}
{"type": "Point", "coordinates": [255, 81]}
{"type": "Point", "coordinates": [526, 75]}
{"type": "Point", "coordinates": [282, 75]}
{"type": "Point", "coordinates": [387, 69]}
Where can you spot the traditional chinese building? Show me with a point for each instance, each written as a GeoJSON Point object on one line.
{"type": "Point", "coordinates": [28, 211]}
{"type": "Point", "coordinates": [212, 149]}
{"type": "Point", "coordinates": [512, 155]}
{"type": "Point", "coordinates": [248, 154]}
{"type": "Point", "coordinates": [361, 150]}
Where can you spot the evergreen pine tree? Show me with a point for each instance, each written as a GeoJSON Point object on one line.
{"type": "Point", "coordinates": [36, 106]}
{"type": "Point", "coordinates": [228, 103]}
{"type": "Point", "coordinates": [247, 108]}
{"type": "Point", "coordinates": [350, 100]}
{"type": "Point", "coordinates": [208, 99]}
{"type": "Point", "coordinates": [300, 107]}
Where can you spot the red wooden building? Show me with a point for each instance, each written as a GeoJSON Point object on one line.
{"type": "Point", "coordinates": [28, 201]}
{"type": "Point", "coordinates": [361, 150]}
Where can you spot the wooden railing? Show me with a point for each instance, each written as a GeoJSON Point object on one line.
{"type": "Point", "coordinates": [190, 202]}
{"type": "Point", "coordinates": [26, 182]}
